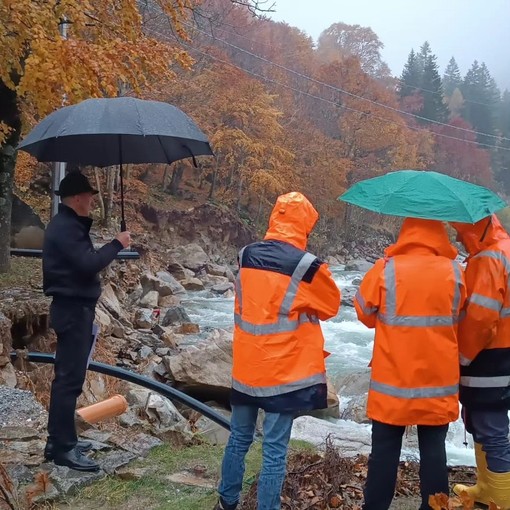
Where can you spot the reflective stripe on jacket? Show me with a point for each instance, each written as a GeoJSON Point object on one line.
{"type": "Point", "coordinates": [413, 299]}
{"type": "Point", "coordinates": [484, 332]}
{"type": "Point", "coordinates": [281, 294]}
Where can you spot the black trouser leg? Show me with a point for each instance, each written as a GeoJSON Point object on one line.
{"type": "Point", "coordinates": [73, 326]}
{"type": "Point", "coordinates": [433, 468]}
{"type": "Point", "coordinates": [383, 466]}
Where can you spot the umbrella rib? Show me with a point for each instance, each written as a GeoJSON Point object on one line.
{"type": "Point", "coordinates": [458, 198]}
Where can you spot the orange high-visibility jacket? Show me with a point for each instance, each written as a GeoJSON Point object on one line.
{"type": "Point", "coordinates": [413, 298]}
{"type": "Point", "coordinates": [281, 294]}
{"type": "Point", "coordinates": [484, 331]}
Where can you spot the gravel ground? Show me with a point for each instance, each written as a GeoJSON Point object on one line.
{"type": "Point", "coordinates": [19, 408]}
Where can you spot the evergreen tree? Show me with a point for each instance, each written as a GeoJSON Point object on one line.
{"type": "Point", "coordinates": [421, 77]}
{"type": "Point", "coordinates": [452, 79]}
{"type": "Point", "coordinates": [482, 100]}
{"type": "Point", "coordinates": [501, 160]}
{"type": "Point", "coordinates": [434, 107]}
{"type": "Point", "coordinates": [411, 76]}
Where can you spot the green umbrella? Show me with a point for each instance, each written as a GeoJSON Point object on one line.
{"type": "Point", "coordinates": [424, 194]}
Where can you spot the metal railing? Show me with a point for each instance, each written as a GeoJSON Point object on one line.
{"type": "Point", "coordinates": [37, 254]}
{"type": "Point", "coordinates": [140, 380]}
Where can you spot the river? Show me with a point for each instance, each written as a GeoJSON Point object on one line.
{"type": "Point", "coordinates": [349, 342]}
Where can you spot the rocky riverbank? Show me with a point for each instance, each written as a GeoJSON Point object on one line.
{"type": "Point", "coordinates": [145, 328]}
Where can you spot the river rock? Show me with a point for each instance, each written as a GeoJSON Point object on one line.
{"type": "Point", "coordinates": [168, 285]}
{"type": "Point", "coordinates": [355, 384]}
{"type": "Point", "coordinates": [193, 284]}
{"type": "Point", "coordinates": [206, 367]}
{"type": "Point", "coordinates": [221, 288]}
{"type": "Point", "coordinates": [175, 315]}
{"type": "Point", "coordinates": [361, 265]}
{"type": "Point", "coordinates": [355, 409]}
{"type": "Point", "coordinates": [348, 295]}
{"type": "Point", "coordinates": [178, 271]}
{"type": "Point", "coordinates": [191, 256]}
{"type": "Point", "coordinates": [150, 300]}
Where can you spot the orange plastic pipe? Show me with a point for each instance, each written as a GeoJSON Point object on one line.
{"type": "Point", "coordinates": [113, 406]}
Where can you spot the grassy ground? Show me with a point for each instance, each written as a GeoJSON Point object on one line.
{"type": "Point", "coordinates": [24, 273]}
{"type": "Point", "coordinates": [153, 491]}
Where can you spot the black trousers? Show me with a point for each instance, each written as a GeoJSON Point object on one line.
{"type": "Point", "coordinates": [72, 323]}
{"type": "Point", "coordinates": [384, 459]}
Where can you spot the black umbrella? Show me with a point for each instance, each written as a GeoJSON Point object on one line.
{"type": "Point", "coordinates": [112, 131]}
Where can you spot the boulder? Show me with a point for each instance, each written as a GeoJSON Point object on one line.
{"type": "Point", "coordinates": [209, 430]}
{"type": "Point", "coordinates": [193, 284]}
{"type": "Point", "coordinates": [167, 285]}
{"type": "Point", "coordinates": [178, 271]}
{"type": "Point", "coordinates": [143, 318]}
{"type": "Point", "coordinates": [348, 295]}
{"type": "Point", "coordinates": [109, 300]}
{"type": "Point", "coordinates": [355, 384]}
{"type": "Point", "coordinates": [163, 283]}
{"type": "Point", "coordinates": [332, 411]}
{"type": "Point", "coordinates": [150, 300]}
{"type": "Point", "coordinates": [175, 315]}
{"type": "Point", "coordinates": [361, 265]}
{"type": "Point", "coordinates": [221, 288]}
{"type": "Point", "coordinates": [191, 256]}
{"type": "Point", "coordinates": [169, 301]}
{"type": "Point", "coordinates": [207, 366]}
{"type": "Point", "coordinates": [355, 409]}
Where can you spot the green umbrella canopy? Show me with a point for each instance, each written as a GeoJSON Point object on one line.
{"type": "Point", "coordinates": [424, 194]}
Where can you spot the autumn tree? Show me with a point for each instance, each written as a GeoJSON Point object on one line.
{"type": "Point", "coordinates": [341, 41]}
{"type": "Point", "coordinates": [458, 156]}
{"type": "Point", "coordinates": [106, 47]}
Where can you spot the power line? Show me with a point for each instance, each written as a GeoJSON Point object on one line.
{"type": "Point", "coordinates": [319, 98]}
{"type": "Point", "coordinates": [398, 80]}
{"type": "Point", "coordinates": [350, 94]}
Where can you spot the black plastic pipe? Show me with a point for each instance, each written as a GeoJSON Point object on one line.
{"type": "Point", "coordinates": [140, 380]}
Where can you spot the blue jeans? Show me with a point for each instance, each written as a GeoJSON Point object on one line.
{"type": "Point", "coordinates": [490, 428]}
{"type": "Point", "coordinates": [277, 428]}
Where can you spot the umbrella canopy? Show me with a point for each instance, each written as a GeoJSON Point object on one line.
{"type": "Point", "coordinates": [424, 194]}
{"type": "Point", "coordinates": [112, 131]}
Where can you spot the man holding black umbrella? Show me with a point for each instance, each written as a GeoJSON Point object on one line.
{"type": "Point", "coordinates": [70, 275]}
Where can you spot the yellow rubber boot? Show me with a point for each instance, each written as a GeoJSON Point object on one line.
{"type": "Point", "coordinates": [499, 489]}
{"type": "Point", "coordinates": [480, 491]}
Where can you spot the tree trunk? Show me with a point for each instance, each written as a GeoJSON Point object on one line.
{"type": "Point", "coordinates": [239, 193]}
{"type": "Point", "coordinates": [259, 211]}
{"type": "Point", "coordinates": [176, 179]}
{"type": "Point", "coordinates": [165, 177]}
{"type": "Point", "coordinates": [111, 177]}
{"type": "Point", "coordinates": [10, 114]}
{"type": "Point", "coordinates": [100, 194]}
{"type": "Point", "coordinates": [213, 181]}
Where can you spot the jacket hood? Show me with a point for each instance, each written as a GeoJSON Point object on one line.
{"type": "Point", "coordinates": [425, 236]}
{"type": "Point", "coordinates": [292, 219]}
{"type": "Point", "coordinates": [479, 236]}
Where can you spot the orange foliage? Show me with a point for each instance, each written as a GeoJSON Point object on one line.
{"type": "Point", "coordinates": [106, 49]}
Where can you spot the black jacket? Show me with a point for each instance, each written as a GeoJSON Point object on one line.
{"type": "Point", "coordinates": [70, 262]}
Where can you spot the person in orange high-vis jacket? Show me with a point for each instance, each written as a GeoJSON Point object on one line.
{"type": "Point", "coordinates": [484, 344]}
{"type": "Point", "coordinates": [412, 298]}
{"type": "Point", "coordinates": [282, 292]}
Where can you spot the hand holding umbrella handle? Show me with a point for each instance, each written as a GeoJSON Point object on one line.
{"type": "Point", "coordinates": [124, 238]}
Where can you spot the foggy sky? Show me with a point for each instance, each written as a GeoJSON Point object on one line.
{"type": "Point", "coordinates": [466, 29]}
